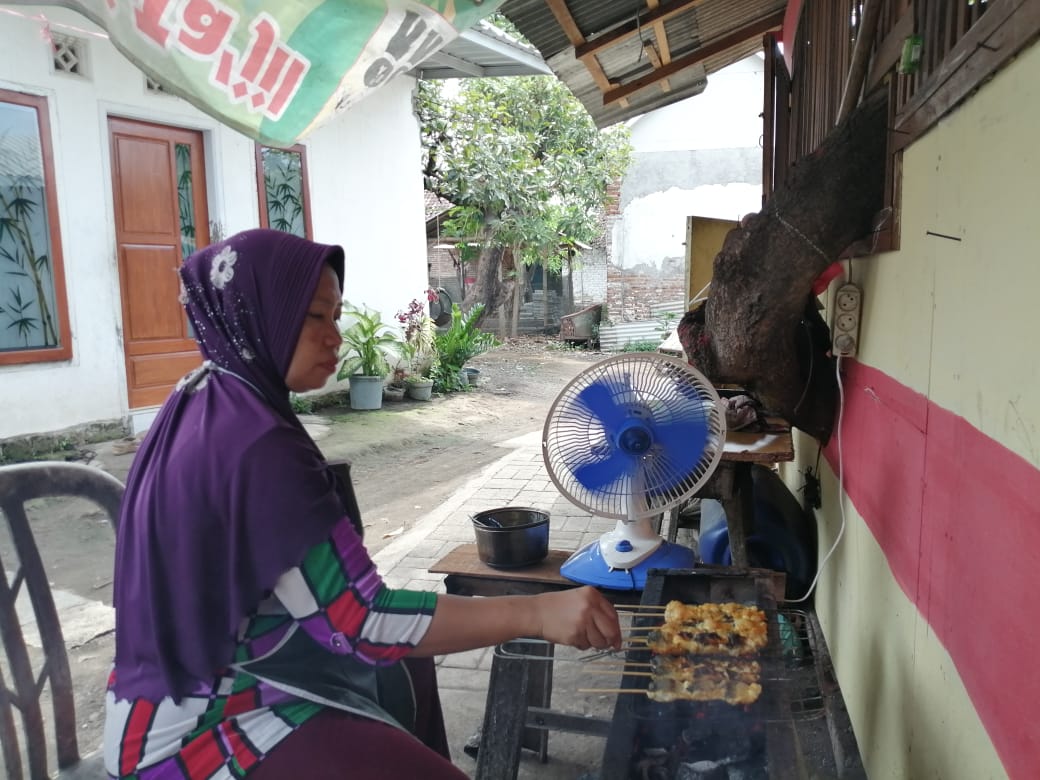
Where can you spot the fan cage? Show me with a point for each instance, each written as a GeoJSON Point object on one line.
{"type": "Point", "coordinates": [653, 387]}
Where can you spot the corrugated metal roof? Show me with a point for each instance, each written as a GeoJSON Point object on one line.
{"type": "Point", "coordinates": [435, 205]}
{"type": "Point", "coordinates": [604, 50]}
{"type": "Point", "coordinates": [484, 51]}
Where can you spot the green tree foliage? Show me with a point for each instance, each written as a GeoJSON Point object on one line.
{"type": "Point", "coordinates": [525, 166]}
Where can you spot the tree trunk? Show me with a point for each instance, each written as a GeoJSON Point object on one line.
{"type": "Point", "coordinates": [518, 295]}
{"type": "Point", "coordinates": [488, 287]}
{"type": "Point", "coordinates": [545, 296]}
{"type": "Point", "coordinates": [759, 327]}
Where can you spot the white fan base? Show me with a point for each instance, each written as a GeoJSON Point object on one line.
{"type": "Point", "coordinates": [637, 535]}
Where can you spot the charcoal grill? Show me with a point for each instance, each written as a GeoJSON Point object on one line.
{"type": "Point", "coordinates": [797, 729]}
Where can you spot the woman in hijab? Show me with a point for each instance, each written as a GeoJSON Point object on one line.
{"type": "Point", "coordinates": [254, 636]}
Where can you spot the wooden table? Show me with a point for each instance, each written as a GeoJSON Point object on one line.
{"type": "Point", "coordinates": [467, 575]}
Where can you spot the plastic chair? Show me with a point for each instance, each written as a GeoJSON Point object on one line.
{"type": "Point", "coordinates": [19, 484]}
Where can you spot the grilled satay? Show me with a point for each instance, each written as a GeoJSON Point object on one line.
{"type": "Point", "coordinates": [734, 681]}
{"type": "Point", "coordinates": [710, 629]}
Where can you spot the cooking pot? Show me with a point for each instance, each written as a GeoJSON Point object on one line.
{"type": "Point", "coordinates": [511, 536]}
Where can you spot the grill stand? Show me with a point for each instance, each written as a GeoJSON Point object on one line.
{"type": "Point", "coordinates": [801, 713]}
{"type": "Point", "coordinates": [516, 686]}
{"type": "Point", "coordinates": [518, 715]}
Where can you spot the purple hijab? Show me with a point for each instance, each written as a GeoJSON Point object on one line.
{"type": "Point", "coordinates": [227, 491]}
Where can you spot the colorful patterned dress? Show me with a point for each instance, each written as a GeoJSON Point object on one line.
{"type": "Point", "coordinates": [224, 728]}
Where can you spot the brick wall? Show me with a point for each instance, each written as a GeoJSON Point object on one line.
{"type": "Point", "coordinates": [590, 274]}
{"type": "Point", "coordinates": [631, 291]}
{"type": "Point", "coordinates": [589, 277]}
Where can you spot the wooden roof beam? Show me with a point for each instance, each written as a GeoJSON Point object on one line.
{"type": "Point", "coordinates": [738, 36]}
{"type": "Point", "coordinates": [576, 37]}
{"type": "Point", "coordinates": [661, 50]}
{"type": "Point", "coordinates": [567, 24]}
{"type": "Point", "coordinates": [631, 27]}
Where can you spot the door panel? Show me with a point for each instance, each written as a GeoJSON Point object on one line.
{"type": "Point", "coordinates": [153, 370]}
{"type": "Point", "coordinates": [159, 186]}
{"type": "Point", "coordinates": [146, 214]}
{"type": "Point", "coordinates": [150, 281]}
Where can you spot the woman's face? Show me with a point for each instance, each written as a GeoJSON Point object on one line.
{"type": "Point", "coordinates": [317, 350]}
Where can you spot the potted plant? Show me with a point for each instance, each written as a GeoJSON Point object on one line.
{"type": "Point", "coordinates": [461, 341]}
{"type": "Point", "coordinates": [370, 348]}
{"type": "Point", "coordinates": [419, 332]}
{"type": "Point", "coordinates": [419, 387]}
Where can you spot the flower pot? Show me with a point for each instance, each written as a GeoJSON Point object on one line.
{"type": "Point", "coordinates": [420, 391]}
{"type": "Point", "coordinates": [366, 392]}
{"type": "Point", "coordinates": [471, 375]}
{"type": "Point", "coordinates": [393, 393]}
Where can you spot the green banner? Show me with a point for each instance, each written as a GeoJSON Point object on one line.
{"type": "Point", "coordinates": [276, 69]}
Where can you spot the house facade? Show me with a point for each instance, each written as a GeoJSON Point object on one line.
{"type": "Point", "coordinates": [699, 158]}
{"type": "Point", "coordinates": [133, 178]}
{"type": "Point", "coordinates": [930, 483]}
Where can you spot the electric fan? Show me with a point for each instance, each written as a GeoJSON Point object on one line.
{"type": "Point", "coordinates": [629, 438]}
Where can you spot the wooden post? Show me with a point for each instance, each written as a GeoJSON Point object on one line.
{"type": "Point", "coordinates": [860, 59]}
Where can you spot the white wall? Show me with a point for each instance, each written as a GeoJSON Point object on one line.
{"type": "Point", "coordinates": [724, 116]}
{"type": "Point", "coordinates": [698, 157]}
{"type": "Point", "coordinates": [366, 193]}
{"type": "Point", "coordinates": [372, 197]}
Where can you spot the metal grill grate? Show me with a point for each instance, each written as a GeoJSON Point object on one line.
{"type": "Point", "coordinates": [795, 730]}
{"type": "Point", "coordinates": [788, 674]}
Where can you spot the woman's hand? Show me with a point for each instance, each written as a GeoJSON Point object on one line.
{"type": "Point", "coordinates": [580, 617]}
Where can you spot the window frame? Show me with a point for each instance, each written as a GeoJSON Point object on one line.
{"type": "Point", "coordinates": [261, 188]}
{"type": "Point", "coordinates": [63, 351]}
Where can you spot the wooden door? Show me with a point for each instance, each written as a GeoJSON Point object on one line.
{"type": "Point", "coordinates": [159, 188]}
{"type": "Point", "coordinates": [704, 239]}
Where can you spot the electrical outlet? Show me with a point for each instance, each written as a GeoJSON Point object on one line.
{"type": "Point", "coordinates": [845, 328]}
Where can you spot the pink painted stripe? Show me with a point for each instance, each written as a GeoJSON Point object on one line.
{"type": "Point", "coordinates": [958, 518]}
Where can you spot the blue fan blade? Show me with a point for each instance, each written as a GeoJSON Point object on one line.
{"type": "Point", "coordinates": [594, 476]}
{"type": "Point", "coordinates": [598, 399]}
{"type": "Point", "coordinates": [683, 444]}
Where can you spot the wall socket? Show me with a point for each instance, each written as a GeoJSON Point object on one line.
{"type": "Point", "coordinates": [848, 308]}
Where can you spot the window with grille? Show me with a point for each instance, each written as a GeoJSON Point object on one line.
{"type": "Point", "coordinates": [929, 54]}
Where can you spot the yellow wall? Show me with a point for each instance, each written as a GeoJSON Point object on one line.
{"type": "Point", "coordinates": [959, 322]}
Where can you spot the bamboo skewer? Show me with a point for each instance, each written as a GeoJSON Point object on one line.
{"type": "Point", "coordinates": [611, 690]}
{"type": "Point", "coordinates": [619, 664]}
{"type": "Point", "coordinates": [639, 608]}
{"type": "Point", "coordinates": [615, 663]}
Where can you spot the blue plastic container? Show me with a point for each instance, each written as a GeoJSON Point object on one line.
{"type": "Point", "coordinates": [782, 536]}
